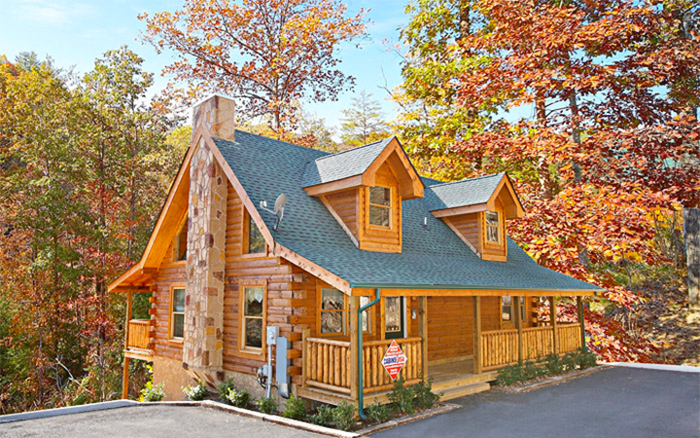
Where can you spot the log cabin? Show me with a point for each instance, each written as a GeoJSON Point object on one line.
{"type": "Point", "coordinates": [367, 252]}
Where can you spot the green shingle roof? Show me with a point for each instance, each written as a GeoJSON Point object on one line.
{"type": "Point", "coordinates": [462, 193]}
{"type": "Point", "coordinates": [431, 256]}
{"type": "Point", "coordinates": [334, 167]}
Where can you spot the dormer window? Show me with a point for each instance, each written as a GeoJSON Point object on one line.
{"type": "Point", "coordinates": [493, 227]}
{"type": "Point", "coordinates": [380, 206]}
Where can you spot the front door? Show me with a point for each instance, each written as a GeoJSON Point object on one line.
{"type": "Point", "coordinates": [394, 317]}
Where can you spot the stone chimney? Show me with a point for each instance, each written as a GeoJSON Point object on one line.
{"type": "Point", "coordinates": [217, 113]}
{"type": "Point", "coordinates": [202, 352]}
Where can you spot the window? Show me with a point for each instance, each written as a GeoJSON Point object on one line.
{"type": "Point", "coordinates": [507, 304]}
{"type": "Point", "coordinates": [180, 243]}
{"type": "Point", "coordinates": [493, 227]}
{"type": "Point", "coordinates": [380, 206]}
{"type": "Point", "coordinates": [253, 320]}
{"type": "Point", "coordinates": [507, 309]}
{"type": "Point", "coordinates": [177, 313]}
{"type": "Point", "coordinates": [332, 311]}
{"type": "Point", "coordinates": [255, 243]}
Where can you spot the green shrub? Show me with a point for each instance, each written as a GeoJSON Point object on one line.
{"type": "Point", "coordinates": [531, 371]}
{"type": "Point", "coordinates": [197, 392]}
{"type": "Point", "coordinates": [569, 362]}
{"type": "Point", "coordinates": [378, 412]}
{"type": "Point", "coordinates": [152, 393]}
{"type": "Point", "coordinates": [510, 374]}
{"type": "Point", "coordinates": [553, 365]}
{"type": "Point", "coordinates": [344, 415]}
{"type": "Point", "coordinates": [239, 399]}
{"type": "Point", "coordinates": [294, 408]}
{"type": "Point", "coordinates": [224, 388]}
{"type": "Point", "coordinates": [586, 358]}
{"type": "Point", "coordinates": [424, 398]}
{"type": "Point", "coordinates": [323, 415]}
{"type": "Point", "coordinates": [267, 405]}
{"type": "Point", "coordinates": [402, 397]}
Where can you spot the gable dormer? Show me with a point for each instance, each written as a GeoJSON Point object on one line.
{"type": "Point", "coordinates": [363, 189]}
{"type": "Point", "coordinates": [476, 210]}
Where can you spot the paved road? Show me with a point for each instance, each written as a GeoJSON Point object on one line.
{"type": "Point", "coordinates": [151, 422]}
{"type": "Point", "coordinates": [615, 403]}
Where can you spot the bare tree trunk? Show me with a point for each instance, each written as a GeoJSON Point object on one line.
{"type": "Point", "coordinates": [691, 231]}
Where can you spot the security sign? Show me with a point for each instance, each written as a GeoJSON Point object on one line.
{"type": "Point", "coordinates": [393, 360]}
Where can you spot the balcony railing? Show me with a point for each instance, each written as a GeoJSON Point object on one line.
{"type": "Point", "coordinates": [138, 334]}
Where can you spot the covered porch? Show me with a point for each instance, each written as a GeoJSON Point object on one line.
{"type": "Point", "coordinates": [335, 370]}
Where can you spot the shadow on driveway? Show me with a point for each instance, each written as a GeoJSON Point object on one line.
{"type": "Point", "coordinates": [615, 403]}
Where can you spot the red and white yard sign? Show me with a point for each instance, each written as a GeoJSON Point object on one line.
{"type": "Point", "coordinates": [393, 360]}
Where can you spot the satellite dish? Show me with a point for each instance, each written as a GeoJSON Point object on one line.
{"type": "Point", "coordinates": [279, 209]}
{"type": "Point", "coordinates": [279, 205]}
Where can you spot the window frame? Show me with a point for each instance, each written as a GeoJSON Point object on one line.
{"type": "Point", "coordinates": [171, 313]}
{"type": "Point", "coordinates": [245, 238]}
{"type": "Point", "coordinates": [389, 208]}
{"type": "Point", "coordinates": [498, 228]}
{"type": "Point", "coordinates": [346, 313]}
{"type": "Point", "coordinates": [243, 350]}
{"type": "Point", "coordinates": [176, 241]}
{"type": "Point", "coordinates": [523, 311]}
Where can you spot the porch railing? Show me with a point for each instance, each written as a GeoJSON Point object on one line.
{"type": "Point", "coordinates": [327, 364]}
{"type": "Point", "coordinates": [500, 347]}
{"type": "Point", "coordinates": [138, 335]}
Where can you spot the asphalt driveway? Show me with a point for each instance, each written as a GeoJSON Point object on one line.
{"type": "Point", "coordinates": [615, 402]}
{"type": "Point", "coordinates": [151, 422]}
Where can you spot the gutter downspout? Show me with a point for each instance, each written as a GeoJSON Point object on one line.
{"type": "Point", "coordinates": [360, 395]}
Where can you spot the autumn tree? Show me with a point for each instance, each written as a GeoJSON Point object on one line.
{"type": "Point", "coordinates": [268, 54]}
{"type": "Point", "coordinates": [606, 149]}
{"type": "Point", "coordinates": [363, 122]}
{"type": "Point", "coordinates": [76, 153]}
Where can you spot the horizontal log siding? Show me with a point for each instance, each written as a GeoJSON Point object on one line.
{"type": "Point", "coordinates": [468, 227]}
{"type": "Point", "coordinates": [345, 205]}
{"type": "Point", "coordinates": [451, 324]}
{"type": "Point", "coordinates": [290, 296]}
{"type": "Point", "coordinates": [170, 274]}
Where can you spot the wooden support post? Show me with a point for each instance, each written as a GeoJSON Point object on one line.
{"type": "Point", "coordinates": [581, 320]}
{"type": "Point", "coordinates": [477, 335]}
{"type": "Point", "coordinates": [125, 377]}
{"type": "Point", "coordinates": [553, 321]}
{"type": "Point", "coordinates": [305, 356]}
{"type": "Point", "coordinates": [354, 350]}
{"type": "Point", "coordinates": [519, 326]}
{"type": "Point", "coordinates": [423, 333]}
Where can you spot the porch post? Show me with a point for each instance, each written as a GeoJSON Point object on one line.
{"type": "Point", "coordinates": [519, 326]}
{"type": "Point", "coordinates": [553, 321]}
{"type": "Point", "coordinates": [354, 353]}
{"type": "Point", "coordinates": [477, 335]}
{"type": "Point", "coordinates": [581, 320]}
{"type": "Point", "coordinates": [423, 333]}
{"type": "Point", "coordinates": [125, 377]}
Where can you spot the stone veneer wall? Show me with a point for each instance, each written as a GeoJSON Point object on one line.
{"type": "Point", "coordinates": [206, 261]}
{"type": "Point", "coordinates": [218, 114]}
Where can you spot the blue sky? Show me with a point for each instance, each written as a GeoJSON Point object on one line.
{"type": "Point", "coordinates": [76, 32]}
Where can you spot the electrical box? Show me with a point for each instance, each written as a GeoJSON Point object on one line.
{"type": "Point", "coordinates": [281, 364]}
{"type": "Point", "coordinates": [272, 335]}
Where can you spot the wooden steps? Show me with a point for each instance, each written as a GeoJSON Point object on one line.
{"type": "Point", "coordinates": [461, 391]}
{"type": "Point", "coordinates": [466, 385]}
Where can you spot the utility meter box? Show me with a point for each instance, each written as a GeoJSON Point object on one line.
{"type": "Point", "coordinates": [272, 335]}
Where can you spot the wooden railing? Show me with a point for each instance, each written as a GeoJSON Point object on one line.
{"type": "Point", "coordinates": [327, 364]}
{"type": "Point", "coordinates": [500, 347]}
{"type": "Point", "coordinates": [138, 335]}
{"type": "Point", "coordinates": [569, 337]}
